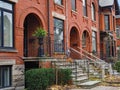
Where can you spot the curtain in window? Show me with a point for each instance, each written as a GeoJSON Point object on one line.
{"type": "Point", "coordinates": [73, 4]}
{"type": "Point", "coordinates": [8, 39]}
{"type": "Point", "coordinates": [93, 11]}
{"type": "Point", "coordinates": [84, 8]}
{"type": "Point", "coordinates": [58, 35]}
{"type": "Point", "coordinates": [94, 41]}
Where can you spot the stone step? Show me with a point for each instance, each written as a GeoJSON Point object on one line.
{"type": "Point", "coordinates": [80, 79]}
{"type": "Point", "coordinates": [78, 70]}
{"type": "Point", "coordinates": [89, 84]}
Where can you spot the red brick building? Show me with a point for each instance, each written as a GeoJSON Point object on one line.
{"type": "Point", "coordinates": [118, 34]}
{"type": "Point", "coordinates": [108, 41]}
{"type": "Point", "coordinates": [69, 24]}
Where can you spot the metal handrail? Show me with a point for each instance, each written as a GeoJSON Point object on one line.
{"type": "Point", "coordinates": [90, 54]}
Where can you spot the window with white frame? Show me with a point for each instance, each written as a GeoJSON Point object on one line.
{"type": "Point", "coordinates": [73, 4]}
{"type": "Point", "coordinates": [93, 11]}
{"type": "Point", "coordinates": [6, 25]}
{"type": "Point", "coordinates": [58, 35]}
{"type": "Point", "coordinates": [85, 7]}
{"type": "Point", "coordinates": [60, 2]}
{"type": "Point", "coordinates": [94, 47]}
{"type": "Point", "coordinates": [5, 76]}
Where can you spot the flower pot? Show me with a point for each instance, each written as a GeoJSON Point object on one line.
{"type": "Point", "coordinates": [41, 47]}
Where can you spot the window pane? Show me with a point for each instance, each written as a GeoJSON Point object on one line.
{"type": "Point", "coordinates": [93, 12]}
{"type": "Point", "coordinates": [84, 2]}
{"type": "Point", "coordinates": [0, 29]}
{"type": "Point", "coordinates": [73, 4]}
{"type": "Point", "coordinates": [58, 35]}
{"type": "Point", "coordinates": [6, 76]}
{"type": "Point", "coordinates": [106, 18]}
{"type": "Point", "coordinates": [58, 2]}
{"type": "Point", "coordinates": [84, 36]}
{"type": "Point", "coordinates": [5, 5]}
{"type": "Point", "coordinates": [84, 8]}
{"type": "Point", "coordinates": [8, 30]}
{"type": "Point", "coordinates": [94, 47]}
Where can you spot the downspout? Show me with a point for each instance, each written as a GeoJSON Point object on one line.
{"type": "Point", "coordinates": [67, 31]}
{"type": "Point", "coordinates": [99, 28]}
{"type": "Point", "coordinates": [49, 39]}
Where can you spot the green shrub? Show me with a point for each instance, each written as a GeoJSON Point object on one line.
{"type": "Point", "coordinates": [64, 76]}
{"type": "Point", "coordinates": [117, 66]}
{"type": "Point", "coordinates": [39, 79]}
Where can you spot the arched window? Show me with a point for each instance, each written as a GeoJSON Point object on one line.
{"type": "Point", "coordinates": [84, 37]}
{"type": "Point", "coordinates": [73, 4]}
{"type": "Point", "coordinates": [93, 11]}
{"type": "Point", "coordinates": [85, 7]}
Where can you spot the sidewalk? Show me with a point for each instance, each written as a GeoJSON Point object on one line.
{"type": "Point", "coordinates": [101, 88]}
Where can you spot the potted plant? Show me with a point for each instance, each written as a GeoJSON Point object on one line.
{"type": "Point", "coordinates": [40, 33]}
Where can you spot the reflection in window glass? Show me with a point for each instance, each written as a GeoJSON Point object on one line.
{"type": "Point", "coordinates": [6, 24]}
{"type": "Point", "coordinates": [106, 21]}
{"type": "Point", "coordinates": [5, 5]}
{"type": "Point", "coordinates": [84, 7]}
{"type": "Point", "coordinates": [93, 11]}
{"type": "Point", "coordinates": [58, 35]}
{"type": "Point", "coordinates": [8, 41]}
{"type": "Point", "coordinates": [6, 76]}
{"type": "Point", "coordinates": [84, 36]}
{"type": "Point", "coordinates": [94, 41]}
{"type": "Point", "coordinates": [73, 4]}
{"type": "Point", "coordinates": [58, 2]}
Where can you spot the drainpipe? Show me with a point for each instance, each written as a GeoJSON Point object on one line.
{"type": "Point", "coordinates": [99, 54]}
{"type": "Point", "coordinates": [67, 31]}
{"type": "Point", "coordinates": [49, 39]}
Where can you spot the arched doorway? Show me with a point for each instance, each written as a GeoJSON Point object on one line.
{"type": "Point", "coordinates": [86, 41]}
{"type": "Point", "coordinates": [74, 42]}
{"type": "Point", "coordinates": [30, 43]}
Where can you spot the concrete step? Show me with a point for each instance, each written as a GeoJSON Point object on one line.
{"type": "Point", "coordinates": [79, 75]}
{"type": "Point", "coordinates": [89, 84]}
{"type": "Point", "coordinates": [78, 70]}
{"type": "Point", "coordinates": [80, 79]}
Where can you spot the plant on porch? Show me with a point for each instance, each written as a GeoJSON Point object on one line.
{"type": "Point", "coordinates": [40, 33]}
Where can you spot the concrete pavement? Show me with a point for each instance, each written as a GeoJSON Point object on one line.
{"type": "Point", "coordinates": [101, 88]}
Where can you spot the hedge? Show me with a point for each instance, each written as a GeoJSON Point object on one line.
{"type": "Point", "coordinates": [64, 76]}
{"type": "Point", "coordinates": [40, 79]}
{"type": "Point", "coordinates": [117, 66]}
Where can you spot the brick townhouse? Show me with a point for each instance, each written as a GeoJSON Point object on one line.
{"type": "Point", "coordinates": [77, 24]}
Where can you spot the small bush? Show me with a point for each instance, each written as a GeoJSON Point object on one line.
{"type": "Point", "coordinates": [39, 79]}
{"type": "Point", "coordinates": [64, 76]}
{"type": "Point", "coordinates": [117, 66]}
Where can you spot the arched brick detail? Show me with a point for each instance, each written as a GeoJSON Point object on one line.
{"type": "Point", "coordinates": [89, 32]}
{"type": "Point", "coordinates": [89, 36]}
{"type": "Point", "coordinates": [29, 11]}
{"type": "Point", "coordinates": [74, 24]}
{"type": "Point", "coordinates": [95, 2]}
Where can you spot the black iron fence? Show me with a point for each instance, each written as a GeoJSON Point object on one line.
{"type": "Point", "coordinates": [52, 46]}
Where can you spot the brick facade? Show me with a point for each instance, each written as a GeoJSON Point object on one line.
{"type": "Point", "coordinates": [30, 14]}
